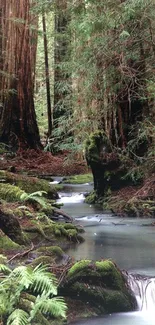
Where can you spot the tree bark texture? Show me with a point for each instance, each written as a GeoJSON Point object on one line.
{"type": "Point", "coordinates": [18, 43]}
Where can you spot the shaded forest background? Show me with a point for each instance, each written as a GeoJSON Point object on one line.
{"type": "Point", "coordinates": [68, 69]}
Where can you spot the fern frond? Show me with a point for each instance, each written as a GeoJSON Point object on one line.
{"type": "Point", "coordinates": [18, 317]}
{"type": "Point", "coordinates": [23, 197]}
{"type": "Point", "coordinates": [44, 281]}
{"type": "Point", "coordinates": [24, 275]}
{"type": "Point", "coordinates": [36, 197]}
{"type": "Point", "coordinates": [38, 193]}
{"type": "Point", "coordinates": [39, 200]}
{"type": "Point", "coordinates": [5, 306]}
{"type": "Point", "coordinates": [4, 269]}
{"type": "Point", "coordinates": [3, 259]}
{"type": "Point", "coordinates": [56, 307]}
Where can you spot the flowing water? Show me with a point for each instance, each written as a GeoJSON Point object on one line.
{"type": "Point", "coordinates": [130, 242]}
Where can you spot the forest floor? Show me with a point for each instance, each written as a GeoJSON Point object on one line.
{"type": "Point", "coordinates": [43, 163]}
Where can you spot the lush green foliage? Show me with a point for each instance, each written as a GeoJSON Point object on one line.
{"type": "Point", "coordinates": [38, 282]}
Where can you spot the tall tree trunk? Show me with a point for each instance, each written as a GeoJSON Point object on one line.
{"type": "Point", "coordinates": [49, 108]}
{"type": "Point", "coordinates": [18, 124]}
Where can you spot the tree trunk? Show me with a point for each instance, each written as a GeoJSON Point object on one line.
{"type": "Point", "coordinates": [18, 124]}
{"type": "Point", "coordinates": [49, 109]}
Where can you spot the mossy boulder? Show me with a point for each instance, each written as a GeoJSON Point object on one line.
{"type": "Point", "coordinates": [28, 184]}
{"type": "Point", "coordinates": [54, 251]}
{"type": "Point", "coordinates": [6, 244]}
{"type": "Point", "coordinates": [101, 284]}
{"type": "Point", "coordinates": [47, 255]}
{"type": "Point", "coordinates": [68, 231]}
{"type": "Point", "coordinates": [54, 232]}
{"type": "Point", "coordinates": [45, 260]}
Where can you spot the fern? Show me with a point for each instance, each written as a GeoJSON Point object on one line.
{"type": "Point", "coordinates": [35, 197]}
{"type": "Point", "coordinates": [18, 317]}
{"type": "Point", "coordinates": [44, 281]}
{"type": "Point", "coordinates": [39, 281]}
{"type": "Point", "coordinates": [54, 307]}
{"type": "Point", "coordinates": [4, 269]}
{"type": "Point", "coordinates": [24, 275]}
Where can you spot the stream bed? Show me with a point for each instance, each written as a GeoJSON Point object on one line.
{"type": "Point", "coordinates": [130, 242]}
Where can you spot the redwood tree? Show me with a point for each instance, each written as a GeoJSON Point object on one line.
{"type": "Point", "coordinates": [17, 70]}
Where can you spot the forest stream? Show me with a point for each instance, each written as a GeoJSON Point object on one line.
{"type": "Point", "coordinates": [127, 241]}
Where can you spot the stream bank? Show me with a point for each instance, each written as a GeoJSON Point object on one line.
{"type": "Point", "coordinates": [106, 236]}
{"type": "Point", "coordinates": [44, 239]}
{"type": "Point", "coordinates": [129, 242]}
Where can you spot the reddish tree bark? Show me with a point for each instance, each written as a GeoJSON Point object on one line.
{"type": "Point", "coordinates": [18, 124]}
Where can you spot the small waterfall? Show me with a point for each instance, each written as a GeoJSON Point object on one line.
{"type": "Point", "coordinates": [144, 291]}
{"type": "Point", "coordinates": [71, 198]}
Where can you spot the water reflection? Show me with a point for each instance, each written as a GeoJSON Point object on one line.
{"type": "Point", "coordinates": [136, 318]}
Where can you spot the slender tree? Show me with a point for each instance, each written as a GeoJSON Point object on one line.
{"type": "Point", "coordinates": [18, 53]}
{"type": "Point", "coordinates": [48, 90]}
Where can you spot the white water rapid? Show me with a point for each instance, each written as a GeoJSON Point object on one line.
{"type": "Point", "coordinates": [144, 291]}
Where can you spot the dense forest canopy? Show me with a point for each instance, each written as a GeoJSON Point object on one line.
{"type": "Point", "coordinates": [93, 61]}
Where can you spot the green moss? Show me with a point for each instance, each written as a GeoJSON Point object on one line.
{"type": "Point", "coordinates": [29, 184]}
{"type": "Point", "coordinates": [93, 146]}
{"type": "Point", "coordinates": [108, 301]}
{"type": "Point", "coordinates": [69, 226]}
{"type": "Point", "coordinates": [91, 198]}
{"type": "Point", "coordinates": [72, 233]}
{"type": "Point", "coordinates": [10, 193]}
{"type": "Point", "coordinates": [46, 260]}
{"type": "Point", "coordinates": [51, 250]}
{"type": "Point", "coordinates": [110, 274]}
{"type": "Point", "coordinates": [101, 284]}
{"type": "Point", "coordinates": [57, 232]}
{"type": "Point", "coordinates": [78, 179]}
{"type": "Point", "coordinates": [79, 266]}
{"type": "Point", "coordinates": [7, 244]}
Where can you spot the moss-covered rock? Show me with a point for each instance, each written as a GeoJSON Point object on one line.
{"type": "Point", "coordinates": [55, 251]}
{"type": "Point", "coordinates": [45, 260]}
{"type": "Point", "coordinates": [47, 255]}
{"type": "Point", "coordinates": [69, 231]}
{"type": "Point", "coordinates": [78, 179]}
{"type": "Point", "coordinates": [6, 244]}
{"type": "Point", "coordinates": [29, 184]}
{"type": "Point", "coordinates": [80, 266]}
{"type": "Point", "coordinates": [53, 231]}
{"type": "Point", "coordinates": [101, 284]}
